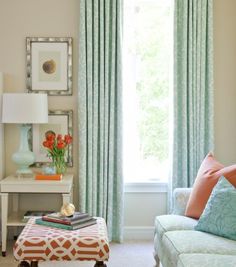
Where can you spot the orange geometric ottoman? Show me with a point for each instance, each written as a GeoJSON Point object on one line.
{"type": "Point", "coordinates": [42, 243]}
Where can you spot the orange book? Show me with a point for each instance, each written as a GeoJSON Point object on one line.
{"type": "Point", "coordinates": [49, 177]}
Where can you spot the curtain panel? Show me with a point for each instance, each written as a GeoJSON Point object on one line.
{"type": "Point", "coordinates": [193, 88]}
{"type": "Point", "coordinates": [100, 113]}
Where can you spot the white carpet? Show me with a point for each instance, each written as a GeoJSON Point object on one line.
{"type": "Point", "coordinates": [129, 254]}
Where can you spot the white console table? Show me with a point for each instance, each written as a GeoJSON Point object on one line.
{"type": "Point", "coordinates": [14, 185]}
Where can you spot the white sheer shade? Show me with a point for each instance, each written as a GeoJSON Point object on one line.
{"type": "Point", "coordinates": [24, 108]}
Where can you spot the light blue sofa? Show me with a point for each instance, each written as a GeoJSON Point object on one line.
{"type": "Point", "coordinates": [177, 244]}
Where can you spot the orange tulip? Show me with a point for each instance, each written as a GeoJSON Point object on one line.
{"type": "Point", "coordinates": [61, 145]}
{"type": "Point", "coordinates": [68, 139]}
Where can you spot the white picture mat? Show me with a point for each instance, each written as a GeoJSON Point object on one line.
{"type": "Point", "coordinates": [52, 85]}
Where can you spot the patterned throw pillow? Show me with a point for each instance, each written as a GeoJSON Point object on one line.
{"type": "Point", "coordinates": [219, 215]}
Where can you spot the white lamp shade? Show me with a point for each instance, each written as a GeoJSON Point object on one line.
{"type": "Point", "coordinates": [24, 108]}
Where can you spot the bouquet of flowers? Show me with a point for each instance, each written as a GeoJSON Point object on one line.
{"type": "Point", "coordinates": [56, 145]}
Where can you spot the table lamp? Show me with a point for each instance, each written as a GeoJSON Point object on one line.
{"type": "Point", "coordinates": [24, 109]}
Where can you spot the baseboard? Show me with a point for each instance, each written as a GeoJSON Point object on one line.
{"type": "Point", "coordinates": [138, 232]}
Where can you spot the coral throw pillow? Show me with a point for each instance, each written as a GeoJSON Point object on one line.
{"type": "Point", "coordinates": [208, 175]}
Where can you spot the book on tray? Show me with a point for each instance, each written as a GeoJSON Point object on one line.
{"type": "Point", "coordinates": [65, 221]}
{"type": "Point", "coordinates": [75, 226]}
{"type": "Point", "coordinates": [48, 177]}
{"type": "Point", "coordinates": [35, 213]}
{"type": "Point", "coordinates": [58, 218]}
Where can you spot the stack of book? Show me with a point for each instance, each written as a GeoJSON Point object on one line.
{"type": "Point", "coordinates": [77, 221]}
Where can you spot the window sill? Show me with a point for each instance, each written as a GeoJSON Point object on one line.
{"type": "Point", "coordinates": [146, 187]}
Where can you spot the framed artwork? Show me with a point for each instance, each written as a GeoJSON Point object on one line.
{"type": "Point", "coordinates": [60, 122]}
{"type": "Point", "coordinates": [49, 65]}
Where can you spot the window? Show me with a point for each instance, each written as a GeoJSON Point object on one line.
{"type": "Point", "coordinates": [147, 66]}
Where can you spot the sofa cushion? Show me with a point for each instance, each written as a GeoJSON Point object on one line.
{"type": "Point", "coordinates": [190, 241]}
{"type": "Point", "coordinates": [208, 175]}
{"type": "Point", "coordinates": [219, 216]}
{"type": "Point", "coordinates": [166, 223]}
{"type": "Point", "coordinates": [206, 260]}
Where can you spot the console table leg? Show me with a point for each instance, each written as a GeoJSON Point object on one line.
{"type": "Point", "coordinates": [4, 206]}
{"type": "Point", "coordinates": [100, 264]}
{"type": "Point", "coordinates": [34, 264]}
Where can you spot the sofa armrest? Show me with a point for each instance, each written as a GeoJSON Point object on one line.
{"type": "Point", "coordinates": [180, 200]}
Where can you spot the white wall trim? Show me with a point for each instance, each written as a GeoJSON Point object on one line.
{"type": "Point", "coordinates": [138, 232]}
{"type": "Point", "coordinates": [146, 187]}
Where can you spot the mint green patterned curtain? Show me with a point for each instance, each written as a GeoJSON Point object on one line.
{"type": "Point", "coordinates": [193, 88]}
{"type": "Point", "coordinates": [99, 100]}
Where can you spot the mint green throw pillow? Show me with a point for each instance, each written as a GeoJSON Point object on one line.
{"type": "Point", "coordinates": [219, 215]}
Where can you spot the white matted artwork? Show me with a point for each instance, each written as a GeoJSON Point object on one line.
{"type": "Point", "coordinates": [60, 122]}
{"type": "Point", "coordinates": [49, 65]}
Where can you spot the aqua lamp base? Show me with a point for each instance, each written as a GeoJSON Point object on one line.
{"type": "Point", "coordinates": [23, 157]}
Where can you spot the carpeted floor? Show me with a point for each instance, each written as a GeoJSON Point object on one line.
{"type": "Point", "coordinates": [129, 254]}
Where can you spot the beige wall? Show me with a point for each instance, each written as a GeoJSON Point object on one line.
{"type": "Point", "coordinates": [19, 19]}
{"type": "Point", "coordinates": [225, 80]}
{"type": "Point", "coordinates": [142, 208]}
{"type": "Point", "coordinates": [2, 154]}
{"type": "Point", "coordinates": [33, 18]}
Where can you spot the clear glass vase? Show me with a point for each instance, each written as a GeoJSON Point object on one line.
{"type": "Point", "coordinates": [59, 164]}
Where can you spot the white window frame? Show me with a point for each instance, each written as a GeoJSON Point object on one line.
{"type": "Point", "coordinates": [146, 187]}
{"type": "Point", "coordinates": [156, 186]}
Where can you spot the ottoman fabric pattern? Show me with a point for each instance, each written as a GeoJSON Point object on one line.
{"type": "Point", "coordinates": [41, 243]}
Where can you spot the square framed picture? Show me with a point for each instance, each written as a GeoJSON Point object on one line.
{"type": "Point", "coordinates": [49, 65]}
{"type": "Point", "coordinates": [59, 122]}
